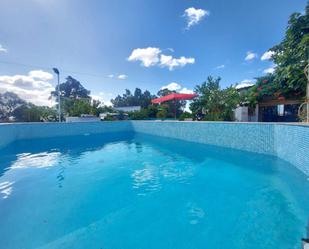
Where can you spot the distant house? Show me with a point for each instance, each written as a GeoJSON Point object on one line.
{"type": "Point", "coordinates": [82, 118]}
{"type": "Point", "coordinates": [245, 113]}
{"type": "Point", "coordinates": [120, 113]}
{"type": "Point", "coordinates": [128, 108]}
{"type": "Point", "coordinates": [269, 109]}
{"type": "Point", "coordinates": [113, 116]}
{"type": "Point", "coordinates": [278, 110]}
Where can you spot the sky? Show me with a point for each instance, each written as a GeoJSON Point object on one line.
{"type": "Point", "coordinates": [113, 45]}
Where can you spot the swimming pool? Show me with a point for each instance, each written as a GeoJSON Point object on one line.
{"type": "Point", "coordinates": [132, 190]}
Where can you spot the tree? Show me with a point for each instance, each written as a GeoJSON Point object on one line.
{"type": "Point", "coordinates": [139, 115]}
{"type": "Point", "coordinates": [162, 111]}
{"type": "Point", "coordinates": [208, 101]}
{"type": "Point", "coordinates": [291, 56]}
{"type": "Point", "coordinates": [152, 111]}
{"type": "Point", "coordinates": [139, 98]}
{"type": "Point", "coordinates": [8, 103]}
{"type": "Point", "coordinates": [265, 88]}
{"type": "Point", "coordinates": [33, 113]}
{"type": "Point", "coordinates": [78, 107]}
{"type": "Point", "coordinates": [185, 115]}
{"type": "Point", "coordinates": [76, 99]}
{"type": "Point", "coordinates": [230, 100]}
{"type": "Point", "coordinates": [213, 103]}
{"type": "Point", "coordinates": [72, 89]}
{"type": "Point", "coordinates": [11, 105]}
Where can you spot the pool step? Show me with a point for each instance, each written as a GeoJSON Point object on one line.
{"type": "Point", "coordinates": [84, 237]}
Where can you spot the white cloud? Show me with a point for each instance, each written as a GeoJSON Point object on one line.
{"type": "Point", "coordinates": [122, 77]}
{"type": "Point", "coordinates": [220, 67]}
{"type": "Point", "coordinates": [250, 56]}
{"type": "Point", "coordinates": [153, 57]}
{"type": "Point", "coordinates": [119, 77]}
{"type": "Point", "coordinates": [267, 55]}
{"type": "Point", "coordinates": [2, 49]}
{"type": "Point", "coordinates": [194, 16]}
{"type": "Point", "coordinates": [245, 83]}
{"type": "Point", "coordinates": [105, 98]}
{"type": "Point", "coordinates": [34, 87]}
{"type": "Point", "coordinates": [186, 90]}
{"type": "Point", "coordinates": [171, 63]}
{"type": "Point", "coordinates": [172, 87]}
{"type": "Point", "coordinates": [148, 56]}
{"type": "Point", "coordinates": [270, 70]}
{"type": "Point", "coordinates": [40, 75]}
{"type": "Point", "coordinates": [176, 87]}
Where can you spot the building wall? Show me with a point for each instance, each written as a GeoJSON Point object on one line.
{"type": "Point", "coordinates": [128, 108]}
{"type": "Point", "coordinates": [81, 119]}
{"type": "Point", "coordinates": [241, 114]}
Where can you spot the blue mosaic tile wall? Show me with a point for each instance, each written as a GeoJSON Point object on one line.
{"type": "Point", "coordinates": [11, 132]}
{"type": "Point", "coordinates": [252, 137]}
{"type": "Point", "coordinates": [7, 134]}
{"type": "Point", "coordinates": [292, 145]}
{"type": "Point", "coordinates": [288, 142]}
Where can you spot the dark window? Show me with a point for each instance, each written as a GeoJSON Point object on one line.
{"type": "Point", "coordinates": [279, 113]}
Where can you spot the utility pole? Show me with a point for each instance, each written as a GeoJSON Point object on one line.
{"type": "Point", "coordinates": [56, 71]}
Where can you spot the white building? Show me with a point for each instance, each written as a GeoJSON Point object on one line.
{"type": "Point", "coordinates": [128, 108]}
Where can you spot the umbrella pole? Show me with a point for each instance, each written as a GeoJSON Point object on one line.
{"type": "Point", "coordinates": [175, 109]}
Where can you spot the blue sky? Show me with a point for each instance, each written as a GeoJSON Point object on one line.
{"type": "Point", "coordinates": [149, 43]}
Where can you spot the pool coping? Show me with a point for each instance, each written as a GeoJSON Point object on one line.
{"type": "Point", "coordinates": [165, 121]}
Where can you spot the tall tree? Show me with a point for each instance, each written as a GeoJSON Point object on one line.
{"type": "Point", "coordinates": [75, 98]}
{"type": "Point", "coordinates": [139, 98]}
{"type": "Point", "coordinates": [291, 56]}
{"type": "Point", "coordinates": [213, 103]}
{"type": "Point", "coordinates": [72, 89]}
{"type": "Point", "coordinates": [33, 113]}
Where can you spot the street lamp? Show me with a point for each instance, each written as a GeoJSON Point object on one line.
{"type": "Point", "coordinates": [56, 71]}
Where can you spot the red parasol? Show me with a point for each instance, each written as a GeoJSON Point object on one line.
{"type": "Point", "coordinates": [174, 97]}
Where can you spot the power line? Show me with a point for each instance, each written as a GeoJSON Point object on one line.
{"type": "Point", "coordinates": [68, 71]}
{"type": "Point", "coordinates": [49, 69]}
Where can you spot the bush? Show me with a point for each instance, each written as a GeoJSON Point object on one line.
{"type": "Point", "coordinates": [185, 115]}
{"type": "Point", "coordinates": [162, 114]}
{"type": "Point", "coordinates": [139, 115]}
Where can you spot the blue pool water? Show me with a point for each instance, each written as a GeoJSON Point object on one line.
{"type": "Point", "coordinates": [131, 191]}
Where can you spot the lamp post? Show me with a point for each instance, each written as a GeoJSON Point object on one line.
{"type": "Point", "coordinates": [56, 71]}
